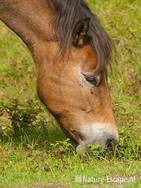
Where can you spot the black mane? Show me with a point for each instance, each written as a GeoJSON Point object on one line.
{"type": "Point", "coordinates": [67, 14]}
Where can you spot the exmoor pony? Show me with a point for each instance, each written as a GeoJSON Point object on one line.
{"type": "Point", "coordinates": [71, 50]}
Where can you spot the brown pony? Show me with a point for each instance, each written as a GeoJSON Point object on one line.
{"type": "Point", "coordinates": [71, 51]}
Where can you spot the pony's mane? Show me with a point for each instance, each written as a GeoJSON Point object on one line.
{"type": "Point", "coordinates": [67, 13]}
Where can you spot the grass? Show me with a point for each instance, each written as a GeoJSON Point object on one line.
{"type": "Point", "coordinates": [33, 149]}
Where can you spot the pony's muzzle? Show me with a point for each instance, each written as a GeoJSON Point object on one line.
{"type": "Point", "coordinates": [103, 134]}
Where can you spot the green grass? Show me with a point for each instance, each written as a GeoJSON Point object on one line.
{"type": "Point", "coordinates": [33, 149]}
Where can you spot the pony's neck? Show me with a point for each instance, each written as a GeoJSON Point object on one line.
{"type": "Point", "coordinates": [31, 20]}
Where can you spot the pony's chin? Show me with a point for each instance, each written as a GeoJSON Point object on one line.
{"type": "Point", "coordinates": [81, 149]}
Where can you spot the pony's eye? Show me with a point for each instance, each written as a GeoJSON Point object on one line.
{"type": "Point", "coordinates": [94, 80]}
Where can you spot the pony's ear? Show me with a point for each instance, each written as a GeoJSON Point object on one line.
{"type": "Point", "coordinates": [80, 33]}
